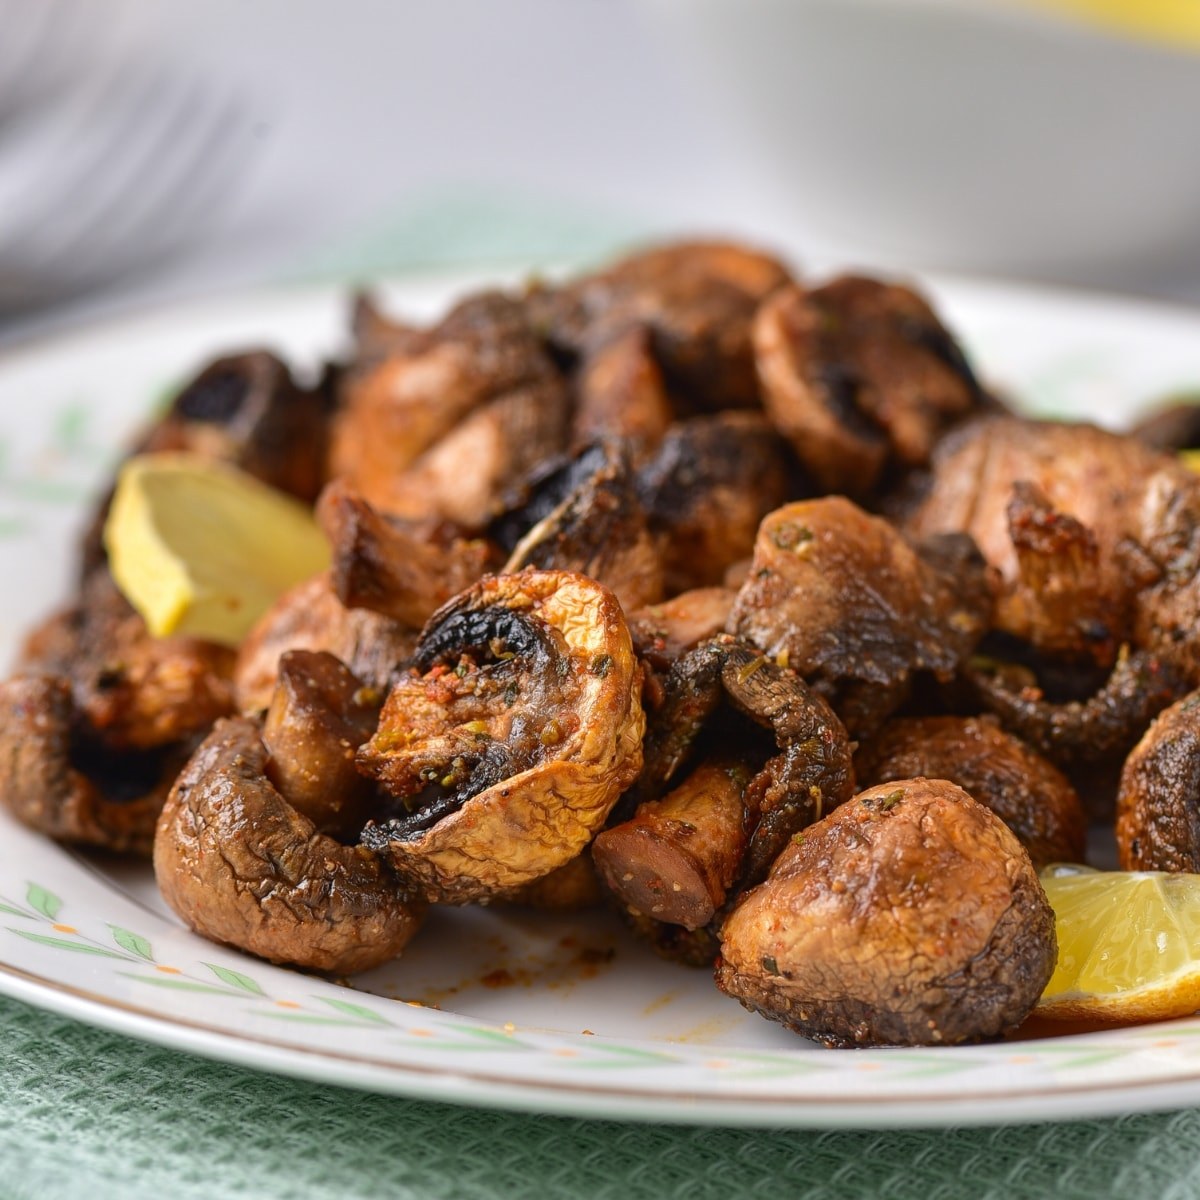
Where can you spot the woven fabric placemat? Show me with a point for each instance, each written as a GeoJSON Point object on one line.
{"type": "Point", "coordinates": [84, 1112]}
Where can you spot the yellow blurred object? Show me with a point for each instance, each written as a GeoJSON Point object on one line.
{"type": "Point", "coordinates": [201, 548]}
{"type": "Point", "coordinates": [1190, 459]}
{"type": "Point", "coordinates": [1175, 22]}
{"type": "Point", "coordinates": [1128, 945]}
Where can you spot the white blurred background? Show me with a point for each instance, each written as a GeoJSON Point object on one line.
{"type": "Point", "coordinates": [153, 149]}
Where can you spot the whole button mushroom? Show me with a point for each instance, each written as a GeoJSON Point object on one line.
{"type": "Point", "coordinates": [241, 865]}
{"type": "Point", "coordinates": [1159, 798]}
{"type": "Point", "coordinates": [909, 916]}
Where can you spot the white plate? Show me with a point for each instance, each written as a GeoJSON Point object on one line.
{"type": "Point", "coordinates": [532, 1012]}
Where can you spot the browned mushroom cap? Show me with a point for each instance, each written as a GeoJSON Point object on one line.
{"type": "Point", "coordinates": [598, 529]}
{"type": "Point", "coordinates": [319, 716]}
{"type": "Point", "coordinates": [620, 393]}
{"type": "Point", "coordinates": [706, 489]}
{"type": "Point", "coordinates": [69, 786]}
{"type": "Point", "coordinates": [909, 916]}
{"type": "Point", "coordinates": [463, 476]}
{"type": "Point", "coordinates": [131, 690]}
{"type": "Point", "coordinates": [1102, 728]}
{"type": "Point", "coordinates": [396, 568]}
{"type": "Point", "coordinates": [697, 299]}
{"type": "Point", "coordinates": [311, 617]}
{"type": "Point", "coordinates": [857, 373]}
{"type": "Point", "coordinates": [1158, 804]}
{"type": "Point", "coordinates": [246, 409]}
{"type": "Point", "coordinates": [849, 603]}
{"type": "Point", "coordinates": [240, 865]}
{"type": "Point", "coordinates": [1094, 550]}
{"type": "Point", "coordinates": [1027, 793]}
{"type": "Point", "coordinates": [481, 367]}
{"type": "Point", "coordinates": [510, 742]}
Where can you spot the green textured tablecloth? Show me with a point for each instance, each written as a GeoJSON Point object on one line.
{"type": "Point", "coordinates": [88, 1113]}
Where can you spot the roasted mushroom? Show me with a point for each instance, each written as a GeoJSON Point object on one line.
{"type": "Point", "coordinates": [509, 742]}
{"type": "Point", "coordinates": [1096, 547]}
{"type": "Point", "coordinates": [1033, 798]}
{"type": "Point", "coordinates": [682, 859]}
{"type": "Point", "coordinates": [478, 390]}
{"type": "Point", "coordinates": [1100, 728]}
{"type": "Point", "coordinates": [1173, 425]}
{"type": "Point", "coordinates": [677, 858]}
{"type": "Point", "coordinates": [240, 865]}
{"type": "Point", "coordinates": [620, 393]}
{"type": "Point", "coordinates": [855, 608]}
{"type": "Point", "coordinates": [909, 916]}
{"type": "Point", "coordinates": [662, 633]}
{"type": "Point", "coordinates": [311, 617]}
{"type": "Point", "coordinates": [247, 410]}
{"type": "Point", "coordinates": [697, 299]}
{"type": "Point", "coordinates": [857, 374]}
{"type": "Point", "coordinates": [1158, 804]}
{"type": "Point", "coordinates": [598, 529]}
{"type": "Point", "coordinates": [396, 568]}
{"type": "Point", "coordinates": [133, 691]}
{"type": "Point", "coordinates": [319, 716]}
{"type": "Point", "coordinates": [57, 779]}
{"type": "Point", "coordinates": [706, 489]}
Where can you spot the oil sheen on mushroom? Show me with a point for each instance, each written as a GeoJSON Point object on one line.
{"type": "Point", "coordinates": [509, 742]}
{"type": "Point", "coordinates": [911, 916]}
{"type": "Point", "coordinates": [241, 866]}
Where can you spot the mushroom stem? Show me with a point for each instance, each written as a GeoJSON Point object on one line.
{"type": "Point", "coordinates": [676, 859]}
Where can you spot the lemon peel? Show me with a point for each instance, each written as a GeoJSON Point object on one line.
{"type": "Point", "coordinates": [1128, 945]}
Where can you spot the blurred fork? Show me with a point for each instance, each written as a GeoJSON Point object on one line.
{"type": "Point", "coordinates": [123, 169]}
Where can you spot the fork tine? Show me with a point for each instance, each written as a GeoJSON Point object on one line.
{"type": "Point", "coordinates": [225, 153]}
{"type": "Point", "coordinates": [181, 153]}
{"type": "Point", "coordinates": [95, 179]}
{"type": "Point", "coordinates": [106, 106]}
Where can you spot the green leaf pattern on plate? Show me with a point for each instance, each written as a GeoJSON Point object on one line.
{"type": "Point", "coordinates": [133, 942]}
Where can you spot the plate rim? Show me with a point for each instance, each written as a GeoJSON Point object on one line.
{"type": "Point", "coordinates": [454, 1084]}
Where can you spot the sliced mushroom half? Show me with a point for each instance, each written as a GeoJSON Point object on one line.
{"type": "Point", "coordinates": [509, 742]}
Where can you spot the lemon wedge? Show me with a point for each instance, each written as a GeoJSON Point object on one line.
{"type": "Point", "coordinates": [201, 548]}
{"type": "Point", "coordinates": [1128, 945]}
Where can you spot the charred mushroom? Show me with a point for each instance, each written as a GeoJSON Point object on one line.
{"type": "Point", "coordinates": [598, 529]}
{"type": "Point", "coordinates": [477, 389]}
{"type": "Point", "coordinates": [395, 568]}
{"type": "Point", "coordinates": [909, 916]}
{"type": "Point", "coordinates": [510, 741]}
{"type": "Point", "coordinates": [697, 299]}
{"type": "Point", "coordinates": [620, 393]}
{"type": "Point", "coordinates": [706, 489]}
{"type": "Point", "coordinates": [241, 866]}
{"type": "Point", "coordinates": [845, 600]}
